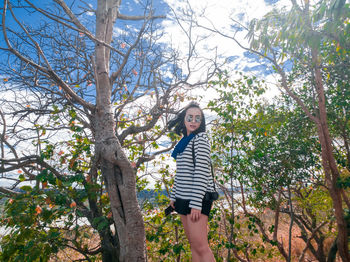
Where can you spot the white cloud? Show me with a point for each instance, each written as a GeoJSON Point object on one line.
{"type": "Point", "coordinates": [219, 15]}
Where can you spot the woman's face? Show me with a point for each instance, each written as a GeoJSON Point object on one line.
{"type": "Point", "coordinates": [193, 119]}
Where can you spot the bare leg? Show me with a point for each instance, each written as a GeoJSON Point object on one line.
{"type": "Point", "coordinates": [187, 232]}
{"type": "Point", "coordinates": [198, 237]}
{"type": "Point", "coordinates": [184, 223]}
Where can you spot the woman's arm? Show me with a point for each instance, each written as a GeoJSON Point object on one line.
{"type": "Point", "coordinates": [201, 172]}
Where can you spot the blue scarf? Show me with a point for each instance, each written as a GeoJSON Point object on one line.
{"type": "Point", "coordinates": [181, 145]}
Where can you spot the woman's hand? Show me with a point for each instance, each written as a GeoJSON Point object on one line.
{"type": "Point", "coordinates": [172, 204]}
{"type": "Point", "coordinates": [195, 213]}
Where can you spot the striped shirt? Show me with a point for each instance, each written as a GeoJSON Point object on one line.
{"type": "Point", "coordinates": [192, 181]}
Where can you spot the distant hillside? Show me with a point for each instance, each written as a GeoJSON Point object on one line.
{"type": "Point", "coordinates": [150, 194]}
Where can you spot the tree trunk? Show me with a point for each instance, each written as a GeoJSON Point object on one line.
{"type": "Point", "coordinates": [110, 247]}
{"type": "Point", "coordinates": [120, 180]}
{"type": "Point", "coordinates": [126, 212]}
{"type": "Point", "coordinates": [329, 163]}
{"type": "Point", "coordinates": [116, 169]}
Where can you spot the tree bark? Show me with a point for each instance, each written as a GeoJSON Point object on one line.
{"type": "Point", "coordinates": [120, 180]}
{"type": "Point", "coordinates": [116, 169]}
{"type": "Point", "coordinates": [126, 212]}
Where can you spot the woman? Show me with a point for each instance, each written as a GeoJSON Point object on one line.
{"type": "Point", "coordinates": [192, 180]}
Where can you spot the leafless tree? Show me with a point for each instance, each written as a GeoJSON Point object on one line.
{"type": "Point", "coordinates": [89, 69]}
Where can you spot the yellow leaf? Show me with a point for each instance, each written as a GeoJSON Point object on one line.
{"type": "Point", "coordinates": [338, 48]}
{"type": "Point", "coordinates": [58, 182]}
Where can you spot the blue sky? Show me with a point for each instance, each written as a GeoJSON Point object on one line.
{"type": "Point", "coordinates": [218, 12]}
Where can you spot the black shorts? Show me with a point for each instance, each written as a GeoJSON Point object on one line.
{"type": "Point", "coordinates": [182, 206]}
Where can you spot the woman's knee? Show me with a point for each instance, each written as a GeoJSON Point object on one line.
{"type": "Point", "coordinates": [200, 247]}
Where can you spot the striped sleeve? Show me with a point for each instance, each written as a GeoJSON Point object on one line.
{"type": "Point", "coordinates": [201, 171]}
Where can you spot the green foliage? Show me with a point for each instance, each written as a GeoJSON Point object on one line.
{"type": "Point", "coordinates": [260, 148]}
{"type": "Point", "coordinates": [30, 245]}
{"type": "Point", "coordinates": [165, 237]}
{"type": "Point", "coordinates": [33, 236]}
{"type": "Point", "coordinates": [261, 145]}
{"type": "Point", "coordinates": [316, 201]}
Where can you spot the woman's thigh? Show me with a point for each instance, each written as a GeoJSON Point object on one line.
{"type": "Point", "coordinates": [198, 231]}
{"type": "Point", "coordinates": [185, 225]}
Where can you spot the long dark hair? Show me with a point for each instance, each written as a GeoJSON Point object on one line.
{"type": "Point", "coordinates": [178, 123]}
